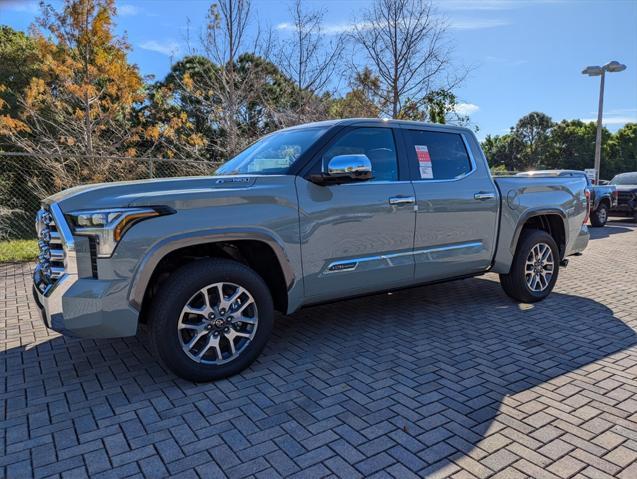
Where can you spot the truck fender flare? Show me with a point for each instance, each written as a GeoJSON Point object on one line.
{"type": "Point", "coordinates": [605, 198]}
{"type": "Point", "coordinates": [528, 214]}
{"type": "Point", "coordinates": [159, 250]}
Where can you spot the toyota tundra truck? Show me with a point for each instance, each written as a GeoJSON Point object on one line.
{"type": "Point", "coordinates": [306, 215]}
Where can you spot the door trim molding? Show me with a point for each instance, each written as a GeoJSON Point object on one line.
{"type": "Point", "coordinates": [348, 265]}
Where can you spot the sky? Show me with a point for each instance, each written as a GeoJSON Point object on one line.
{"type": "Point", "coordinates": [524, 55]}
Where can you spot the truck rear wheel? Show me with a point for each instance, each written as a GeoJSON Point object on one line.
{"type": "Point", "coordinates": [599, 217]}
{"type": "Point", "coordinates": [534, 269]}
{"type": "Point", "coordinates": [211, 319]}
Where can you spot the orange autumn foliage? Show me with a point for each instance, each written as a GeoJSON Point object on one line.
{"type": "Point", "coordinates": [84, 98]}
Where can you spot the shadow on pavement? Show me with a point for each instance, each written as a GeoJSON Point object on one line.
{"type": "Point", "coordinates": [426, 369]}
{"type": "Point", "coordinates": [611, 228]}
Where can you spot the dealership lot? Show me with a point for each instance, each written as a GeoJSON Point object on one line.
{"type": "Point", "coordinates": [451, 380]}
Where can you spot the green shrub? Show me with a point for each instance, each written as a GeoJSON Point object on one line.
{"type": "Point", "coordinates": [18, 250]}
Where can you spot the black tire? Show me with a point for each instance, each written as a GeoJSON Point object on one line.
{"type": "Point", "coordinates": [515, 283]}
{"type": "Point", "coordinates": [599, 217]}
{"type": "Point", "coordinates": [178, 290]}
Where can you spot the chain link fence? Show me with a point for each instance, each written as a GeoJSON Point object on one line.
{"type": "Point", "coordinates": [26, 179]}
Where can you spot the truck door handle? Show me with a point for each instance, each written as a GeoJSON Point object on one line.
{"type": "Point", "coordinates": [483, 196]}
{"type": "Point", "coordinates": [402, 200]}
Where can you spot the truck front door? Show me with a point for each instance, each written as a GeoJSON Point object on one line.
{"type": "Point", "coordinates": [358, 237]}
{"type": "Point", "coordinates": [458, 205]}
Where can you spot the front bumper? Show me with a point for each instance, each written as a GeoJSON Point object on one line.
{"type": "Point", "coordinates": [624, 209]}
{"type": "Point", "coordinates": [70, 302]}
{"type": "Point", "coordinates": [86, 308]}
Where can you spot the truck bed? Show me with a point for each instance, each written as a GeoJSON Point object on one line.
{"type": "Point", "coordinates": [522, 197]}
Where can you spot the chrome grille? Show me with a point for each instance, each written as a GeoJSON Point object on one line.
{"type": "Point", "coordinates": [625, 196]}
{"type": "Point", "coordinates": [51, 259]}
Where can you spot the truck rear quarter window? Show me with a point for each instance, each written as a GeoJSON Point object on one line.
{"type": "Point", "coordinates": [437, 155]}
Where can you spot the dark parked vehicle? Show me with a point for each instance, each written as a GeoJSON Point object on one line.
{"type": "Point", "coordinates": [603, 197]}
{"type": "Point", "coordinates": [626, 184]}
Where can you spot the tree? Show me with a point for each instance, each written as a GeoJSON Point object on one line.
{"type": "Point", "coordinates": [505, 150]}
{"type": "Point", "coordinates": [276, 97]}
{"type": "Point", "coordinates": [533, 131]}
{"type": "Point", "coordinates": [361, 101]}
{"type": "Point", "coordinates": [536, 142]}
{"type": "Point", "coordinates": [224, 41]}
{"type": "Point", "coordinates": [405, 42]}
{"type": "Point", "coordinates": [622, 151]}
{"type": "Point", "coordinates": [82, 102]}
{"type": "Point", "coordinates": [309, 60]}
{"type": "Point", "coordinates": [178, 118]}
{"type": "Point", "coordinates": [183, 118]}
{"type": "Point", "coordinates": [20, 62]}
{"type": "Point", "coordinates": [209, 104]}
{"type": "Point", "coordinates": [572, 145]}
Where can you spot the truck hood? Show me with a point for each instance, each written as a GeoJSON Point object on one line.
{"type": "Point", "coordinates": [175, 192]}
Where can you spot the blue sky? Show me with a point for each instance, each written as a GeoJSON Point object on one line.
{"type": "Point", "coordinates": [527, 55]}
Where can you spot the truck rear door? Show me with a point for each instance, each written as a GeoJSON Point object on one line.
{"type": "Point", "coordinates": [458, 204]}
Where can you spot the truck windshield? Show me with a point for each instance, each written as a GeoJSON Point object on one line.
{"type": "Point", "coordinates": [625, 179]}
{"type": "Point", "coordinates": [273, 154]}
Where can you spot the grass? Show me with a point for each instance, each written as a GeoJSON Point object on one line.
{"type": "Point", "coordinates": [18, 250]}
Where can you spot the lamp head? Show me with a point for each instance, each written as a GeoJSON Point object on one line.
{"type": "Point", "coordinates": [614, 67]}
{"type": "Point", "coordinates": [593, 71]}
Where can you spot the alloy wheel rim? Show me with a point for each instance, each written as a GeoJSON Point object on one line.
{"type": "Point", "coordinates": [602, 215]}
{"type": "Point", "coordinates": [539, 267]}
{"type": "Point", "coordinates": [217, 323]}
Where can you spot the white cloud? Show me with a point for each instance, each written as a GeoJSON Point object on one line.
{"type": "Point", "coordinates": [328, 29]}
{"type": "Point", "coordinates": [612, 120]}
{"type": "Point", "coordinates": [127, 10]}
{"type": "Point", "coordinates": [491, 4]}
{"type": "Point", "coordinates": [478, 23]}
{"type": "Point", "coordinates": [345, 27]}
{"type": "Point", "coordinates": [165, 48]}
{"type": "Point", "coordinates": [477, 5]}
{"type": "Point", "coordinates": [285, 26]}
{"type": "Point", "coordinates": [466, 109]}
{"type": "Point", "coordinates": [620, 111]}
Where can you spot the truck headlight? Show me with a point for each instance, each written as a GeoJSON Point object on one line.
{"type": "Point", "coordinates": [108, 226]}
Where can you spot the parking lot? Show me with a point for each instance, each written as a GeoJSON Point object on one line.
{"type": "Point", "coordinates": [451, 380]}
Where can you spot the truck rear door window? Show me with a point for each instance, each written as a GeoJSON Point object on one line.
{"type": "Point", "coordinates": [438, 155]}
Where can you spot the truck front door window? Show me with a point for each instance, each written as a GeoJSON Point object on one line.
{"type": "Point", "coordinates": [375, 143]}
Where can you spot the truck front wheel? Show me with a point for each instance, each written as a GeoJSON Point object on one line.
{"type": "Point", "coordinates": [534, 269]}
{"type": "Point", "coordinates": [211, 319]}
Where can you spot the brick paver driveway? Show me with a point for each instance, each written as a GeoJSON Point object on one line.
{"type": "Point", "coordinates": [448, 380]}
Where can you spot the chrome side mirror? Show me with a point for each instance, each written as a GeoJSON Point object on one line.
{"type": "Point", "coordinates": [354, 167]}
{"type": "Point", "coordinates": [345, 169]}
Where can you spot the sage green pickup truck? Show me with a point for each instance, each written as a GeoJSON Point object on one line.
{"type": "Point", "coordinates": [309, 214]}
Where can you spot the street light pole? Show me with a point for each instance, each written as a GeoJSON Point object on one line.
{"type": "Point", "coordinates": [598, 136]}
{"type": "Point", "coordinates": [594, 71]}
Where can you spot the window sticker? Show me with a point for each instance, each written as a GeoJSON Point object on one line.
{"type": "Point", "coordinates": [424, 162]}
